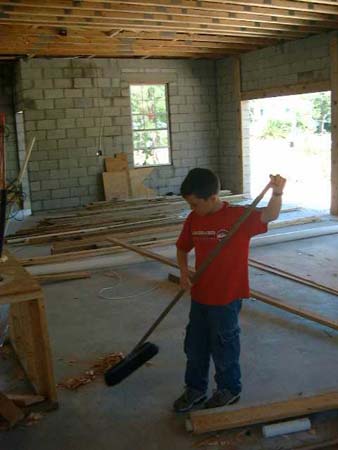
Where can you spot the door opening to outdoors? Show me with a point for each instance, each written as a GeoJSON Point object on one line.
{"type": "Point", "coordinates": [290, 135]}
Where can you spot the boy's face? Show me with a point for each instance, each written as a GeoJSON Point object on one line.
{"type": "Point", "coordinates": [202, 206]}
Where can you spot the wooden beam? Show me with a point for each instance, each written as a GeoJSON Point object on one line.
{"type": "Point", "coordinates": [50, 278]}
{"type": "Point", "coordinates": [229, 417]}
{"type": "Point", "coordinates": [334, 123]}
{"type": "Point", "coordinates": [174, 13]}
{"type": "Point", "coordinates": [288, 89]}
{"type": "Point", "coordinates": [277, 303]}
{"type": "Point", "coordinates": [282, 273]}
{"type": "Point", "coordinates": [9, 411]}
{"type": "Point", "coordinates": [291, 309]}
{"type": "Point", "coordinates": [237, 91]}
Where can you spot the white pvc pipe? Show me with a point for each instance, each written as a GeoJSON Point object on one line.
{"type": "Point", "coordinates": [292, 426]}
{"type": "Point", "coordinates": [293, 235]}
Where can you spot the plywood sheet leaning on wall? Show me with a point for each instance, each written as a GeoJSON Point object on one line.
{"type": "Point", "coordinates": [115, 185]}
{"type": "Point", "coordinates": [116, 163]}
{"type": "Point", "coordinates": [138, 182]}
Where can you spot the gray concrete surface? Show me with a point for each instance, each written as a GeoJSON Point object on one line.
{"type": "Point", "coordinates": [282, 356]}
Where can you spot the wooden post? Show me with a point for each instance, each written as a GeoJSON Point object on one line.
{"type": "Point", "coordinates": [334, 123]}
{"type": "Point", "coordinates": [237, 101]}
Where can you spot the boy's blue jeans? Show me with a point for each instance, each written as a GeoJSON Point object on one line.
{"type": "Point", "coordinates": [213, 331]}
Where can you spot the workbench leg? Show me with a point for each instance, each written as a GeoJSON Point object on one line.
{"type": "Point", "coordinates": [29, 338]}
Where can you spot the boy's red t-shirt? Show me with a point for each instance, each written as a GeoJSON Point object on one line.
{"type": "Point", "coordinates": [226, 279]}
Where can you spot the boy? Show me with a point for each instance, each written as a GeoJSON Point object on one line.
{"type": "Point", "coordinates": [213, 328]}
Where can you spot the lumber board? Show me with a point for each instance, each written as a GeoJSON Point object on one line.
{"type": "Point", "coordinates": [64, 276]}
{"type": "Point", "coordinates": [65, 257]}
{"type": "Point", "coordinates": [143, 252]}
{"type": "Point", "coordinates": [229, 417]}
{"type": "Point", "coordinates": [9, 411]}
{"type": "Point", "coordinates": [278, 303]}
{"type": "Point", "coordinates": [23, 400]}
{"type": "Point", "coordinates": [334, 121]}
{"type": "Point", "coordinates": [282, 273]}
{"type": "Point", "coordinates": [30, 340]}
{"type": "Point", "coordinates": [17, 285]}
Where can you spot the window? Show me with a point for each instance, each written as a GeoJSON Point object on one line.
{"type": "Point", "coordinates": [150, 124]}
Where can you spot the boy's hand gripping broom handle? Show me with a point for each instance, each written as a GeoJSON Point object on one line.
{"type": "Point", "coordinates": [212, 255]}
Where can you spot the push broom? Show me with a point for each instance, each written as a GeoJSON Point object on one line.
{"type": "Point", "coordinates": [144, 351]}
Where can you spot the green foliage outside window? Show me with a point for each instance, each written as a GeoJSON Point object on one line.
{"type": "Point", "coordinates": [150, 124]}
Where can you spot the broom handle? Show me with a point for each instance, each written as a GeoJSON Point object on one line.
{"type": "Point", "coordinates": [212, 255]}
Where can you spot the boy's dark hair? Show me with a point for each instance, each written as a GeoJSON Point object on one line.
{"type": "Point", "coordinates": [202, 183]}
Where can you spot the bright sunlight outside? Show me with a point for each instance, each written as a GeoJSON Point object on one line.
{"type": "Point", "coordinates": [291, 136]}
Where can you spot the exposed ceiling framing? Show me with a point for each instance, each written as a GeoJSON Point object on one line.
{"type": "Point", "coordinates": [162, 29]}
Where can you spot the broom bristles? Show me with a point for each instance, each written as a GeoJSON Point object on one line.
{"type": "Point", "coordinates": [130, 363]}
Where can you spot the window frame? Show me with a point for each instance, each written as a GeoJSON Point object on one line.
{"type": "Point", "coordinates": [168, 129]}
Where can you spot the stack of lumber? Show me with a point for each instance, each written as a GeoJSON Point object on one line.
{"type": "Point", "coordinates": [115, 217]}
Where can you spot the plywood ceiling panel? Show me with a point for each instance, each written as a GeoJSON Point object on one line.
{"type": "Point", "coordinates": [161, 29]}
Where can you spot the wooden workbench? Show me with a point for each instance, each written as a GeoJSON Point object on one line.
{"type": "Point", "coordinates": [28, 326]}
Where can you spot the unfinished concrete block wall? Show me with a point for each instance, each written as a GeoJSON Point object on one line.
{"type": "Point", "coordinates": [302, 61]}
{"type": "Point", "coordinates": [7, 106]}
{"type": "Point", "coordinates": [65, 101]}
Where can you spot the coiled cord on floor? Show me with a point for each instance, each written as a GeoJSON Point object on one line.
{"type": "Point", "coordinates": [123, 297]}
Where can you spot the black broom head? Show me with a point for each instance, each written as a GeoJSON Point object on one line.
{"type": "Point", "coordinates": [130, 363]}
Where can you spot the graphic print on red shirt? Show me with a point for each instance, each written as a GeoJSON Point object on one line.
{"type": "Point", "coordinates": [226, 279]}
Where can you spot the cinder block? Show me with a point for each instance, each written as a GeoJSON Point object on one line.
{"type": "Point", "coordinates": [48, 165]}
{"type": "Point", "coordinates": [46, 125]}
{"type": "Point", "coordinates": [64, 103]}
{"type": "Point", "coordinates": [43, 84]}
{"type": "Point", "coordinates": [55, 114]}
{"type": "Point", "coordinates": [85, 122]}
{"type": "Point", "coordinates": [76, 133]}
{"type": "Point", "coordinates": [57, 174]}
{"type": "Point", "coordinates": [63, 83]}
{"type": "Point", "coordinates": [54, 93]}
{"type": "Point", "coordinates": [92, 92]}
{"type": "Point", "coordinates": [56, 134]}
{"type": "Point", "coordinates": [68, 163]}
{"type": "Point", "coordinates": [73, 93]}
{"type": "Point", "coordinates": [92, 131]}
{"type": "Point", "coordinates": [68, 143]}
{"type": "Point", "coordinates": [66, 123]}
{"type": "Point", "coordinates": [40, 195]}
{"type": "Point", "coordinates": [83, 102]}
{"type": "Point", "coordinates": [78, 172]}
{"type": "Point", "coordinates": [60, 193]}
{"type": "Point", "coordinates": [44, 104]}
{"type": "Point", "coordinates": [72, 113]}
{"type": "Point", "coordinates": [83, 82]}
{"type": "Point", "coordinates": [49, 184]}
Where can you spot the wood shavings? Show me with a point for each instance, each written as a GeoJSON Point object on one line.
{"type": "Point", "coordinates": [33, 419]}
{"type": "Point", "coordinates": [98, 368]}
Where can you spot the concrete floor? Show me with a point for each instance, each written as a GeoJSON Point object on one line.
{"type": "Point", "coordinates": [282, 356]}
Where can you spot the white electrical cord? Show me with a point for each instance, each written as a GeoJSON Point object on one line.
{"type": "Point", "coordinates": [124, 297]}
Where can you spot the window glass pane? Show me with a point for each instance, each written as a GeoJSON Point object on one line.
{"type": "Point", "coordinates": [150, 124]}
{"type": "Point", "coordinates": [138, 122]}
{"type": "Point", "coordinates": [136, 96]}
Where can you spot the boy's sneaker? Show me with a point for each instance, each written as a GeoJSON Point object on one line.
{"type": "Point", "coordinates": [188, 399]}
{"type": "Point", "coordinates": [221, 398]}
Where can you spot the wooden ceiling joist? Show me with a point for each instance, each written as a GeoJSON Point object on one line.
{"type": "Point", "coordinates": [160, 28]}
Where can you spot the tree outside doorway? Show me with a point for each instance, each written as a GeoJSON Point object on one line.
{"type": "Point", "coordinates": [291, 136]}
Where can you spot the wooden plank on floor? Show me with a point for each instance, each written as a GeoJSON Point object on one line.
{"type": "Point", "coordinates": [9, 411]}
{"type": "Point", "coordinates": [229, 417]}
{"type": "Point", "coordinates": [63, 276]}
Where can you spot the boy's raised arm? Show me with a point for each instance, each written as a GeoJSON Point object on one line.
{"type": "Point", "coordinates": [272, 210]}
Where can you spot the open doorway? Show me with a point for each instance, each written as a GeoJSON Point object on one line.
{"type": "Point", "coordinates": [290, 135]}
